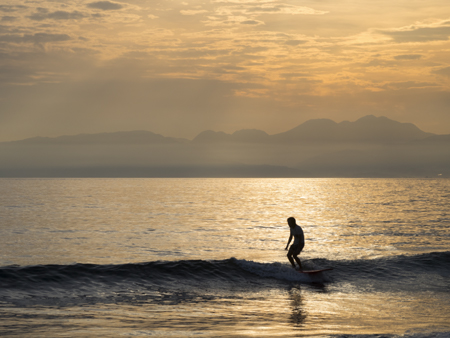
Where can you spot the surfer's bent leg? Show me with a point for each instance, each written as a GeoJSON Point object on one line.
{"type": "Point", "coordinates": [294, 250]}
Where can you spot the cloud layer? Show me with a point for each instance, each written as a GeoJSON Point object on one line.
{"type": "Point", "coordinates": [179, 67]}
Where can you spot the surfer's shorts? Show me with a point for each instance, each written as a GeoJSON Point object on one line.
{"type": "Point", "coordinates": [295, 250]}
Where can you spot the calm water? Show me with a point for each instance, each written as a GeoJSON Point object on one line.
{"type": "Point", "coordinates": [205, 257]}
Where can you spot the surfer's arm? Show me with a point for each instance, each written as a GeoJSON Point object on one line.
{"type": "Point", "coordinates": [289, 241]}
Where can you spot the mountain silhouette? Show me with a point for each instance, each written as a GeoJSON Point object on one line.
{"type": "Point", "coordinates": [244, 135]}
{"type": "Point", "coordinates": [368, 129]}
{"type": "Point", "coordinates": [122, 137]}
{"type": "Point", "coordinates": [210, 136]}
{"type": "Point", "coordinates": [436, 139]}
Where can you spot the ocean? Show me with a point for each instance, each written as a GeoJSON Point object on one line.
{"type": "Point", "coordinates": [206, 257]}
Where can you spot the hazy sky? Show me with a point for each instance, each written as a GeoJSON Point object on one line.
{"type": "Point", "coordinates": [180, 67]}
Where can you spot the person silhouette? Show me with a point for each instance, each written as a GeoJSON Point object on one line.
{"type": "Point", "coordinates": [297, 246]}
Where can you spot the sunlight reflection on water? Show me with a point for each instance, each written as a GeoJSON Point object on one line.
{"type": "Point", "coordinates": [130, 220]}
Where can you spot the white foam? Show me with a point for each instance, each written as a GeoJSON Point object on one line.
{"type": "Point", "coordinates": [279, 271]}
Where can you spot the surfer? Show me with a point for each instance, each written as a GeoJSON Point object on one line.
{"type": "Point", "coordinates": [297, 246]}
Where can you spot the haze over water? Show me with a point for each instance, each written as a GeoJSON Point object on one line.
{"type": "Point", "coordinates": [160, 257]}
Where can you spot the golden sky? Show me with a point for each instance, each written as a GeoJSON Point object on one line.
{"type": "Point", "coordinates": [180, 67]}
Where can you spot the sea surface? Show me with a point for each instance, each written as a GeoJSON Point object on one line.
{"type": "Point", "coordinates": [206, 258]}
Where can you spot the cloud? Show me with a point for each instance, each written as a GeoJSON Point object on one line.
{"type": "Point", "coordinates": [408, 57]}
{"type": "Point", "coordinates": [443, 71]}
{"type": "Point", "coordinates": [267, 8]}
{"type": "Point", "coordinates": [230, 13]}
{"type": "Point", "coordinates": [295, 42]}
{"type": "Point", "coordinates": [34, 38]}
{"type": "Point", "coordinates": [193, 11]}
{"type": "Point", "coordinates": [408, 85]}
{"type": "Point", "coordinates": [58, 15]}
{"type": "Point", "coordinates": [294, 75]}
{"type": "Point", "coordinates": [251, 22]}
{"type": "Point", "coordinates": [421, 34]}
{"type": "Point", "coordinates": [23, 65]}
{"type": "Point", "coordinates": [10, 9]}
{"type": "Point", "coordinates": [8, 18]}
{"type": "Point", "coordinates": [105, 5]}
{"type": "Point", "coordinates": [280, 8]}
{"type": "Point", "coordinates": [45, 37]}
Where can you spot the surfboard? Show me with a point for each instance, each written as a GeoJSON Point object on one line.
{"type": "Point", "coordinates": [311, 272]}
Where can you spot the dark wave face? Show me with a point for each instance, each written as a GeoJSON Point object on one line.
{"type": "Point", "coordinates": [424, 272]}
{"type": "Point", "coordinates": [191, 280]}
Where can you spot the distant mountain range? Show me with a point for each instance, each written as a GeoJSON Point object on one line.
{"type": "Point", "coordinates": [123, 137]}
{"type": "Point", "coordinates": [369, 147]}
{"type": "Point", "coordinates": [368, 129]}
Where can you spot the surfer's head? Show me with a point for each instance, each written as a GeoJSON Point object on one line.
{"type": "Point", "coordinates": [291, 222]}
